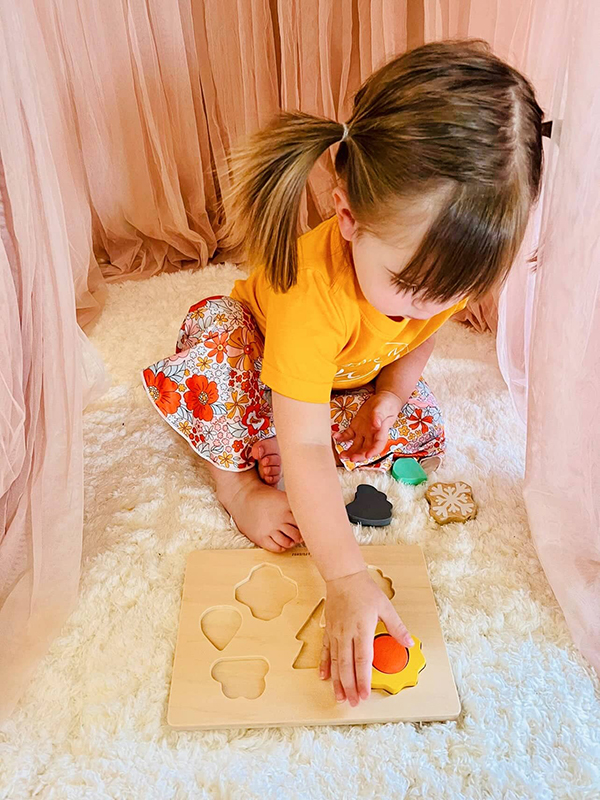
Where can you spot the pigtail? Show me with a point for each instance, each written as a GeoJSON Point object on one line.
{"type": "Point", "coordinates": [268, 173]}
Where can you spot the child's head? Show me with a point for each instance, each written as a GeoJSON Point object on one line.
{"type": "Point", "coordinates": [438, 172]}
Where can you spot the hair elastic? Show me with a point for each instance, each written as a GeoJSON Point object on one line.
{"type": "Point", "coordinates": [346, 132]}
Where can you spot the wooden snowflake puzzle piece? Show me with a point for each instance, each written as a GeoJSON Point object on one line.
{"type": "Point", "coordinates": [451, 502]}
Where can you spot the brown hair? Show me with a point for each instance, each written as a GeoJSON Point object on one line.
{"type": "Point", "coordinates": [449, 119]}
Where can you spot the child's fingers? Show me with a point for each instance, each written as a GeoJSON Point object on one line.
{"type": "Point", "coordinates": [376, 422]}
{"type": "Point", "coordinates": [395, 626]}
{"type": "Point", "coordinates": [338, 689]}
{"type": "Point", "coordinates": [377, 446]}
{"type": "Point", "coordinates": [363, 664]}
{"type": "Point", "coordinates": [353, 453]}
{"type": "Point", "coordinates": [346, 670]}
{"type": "Point", "coordinates": [325, 665]}
{"type": "Point", "coordinates": [345, 436]}
{"type": "Point", "coordinates": [371, 447]}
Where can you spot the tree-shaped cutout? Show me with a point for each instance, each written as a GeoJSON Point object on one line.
{"type": "Point", "coordinates": [311, 636]}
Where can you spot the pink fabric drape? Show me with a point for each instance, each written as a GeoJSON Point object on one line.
{"type": "Point", "coordinates": [562, 482]}
{"type": "Point", "coordinates": [115, 124]}
{"type": "Point", "coordinates": [511, 309]}
{"type": "Point", "coordinates": [41, 261]}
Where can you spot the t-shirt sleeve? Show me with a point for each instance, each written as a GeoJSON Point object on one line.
{"type": "Point", "coordinates": [304, 333]}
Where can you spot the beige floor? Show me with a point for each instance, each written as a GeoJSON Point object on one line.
{"type": "Point", "coordinates": [92, 725]}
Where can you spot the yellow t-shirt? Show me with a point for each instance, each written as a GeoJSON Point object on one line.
{"type": "Point", "coordinates": [323, 334]}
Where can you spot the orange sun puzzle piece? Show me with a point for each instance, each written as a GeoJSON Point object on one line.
{"type": "Point", "coordinates": [395, 666]}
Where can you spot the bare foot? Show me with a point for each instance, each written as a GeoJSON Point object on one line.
{"type": "Point", "coordinates": [266, 452]}
{"type": "Point", "coordinates": [262, 513]}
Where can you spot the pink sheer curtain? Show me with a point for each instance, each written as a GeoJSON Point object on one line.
{"type": "Point", "coordinates": [115, 124]}
{"type": "Point", "coordinates": [45, 250]}
{"type": "Point", "coordinates": [562, 482]}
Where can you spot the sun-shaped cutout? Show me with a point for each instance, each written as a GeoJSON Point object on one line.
{"type": "Point", "coordinates": [395, 666]}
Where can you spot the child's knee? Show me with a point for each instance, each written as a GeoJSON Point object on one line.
{"type": "Point", "coordinates": [214, 315]}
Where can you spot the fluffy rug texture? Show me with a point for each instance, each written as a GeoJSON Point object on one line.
{"type": "Point", "coordinates": [93, 722]}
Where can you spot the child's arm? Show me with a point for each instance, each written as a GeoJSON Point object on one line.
{"type": "Point", "coordinates": [354, 602]}
{"type": "Point", "coordinates": [401, 376]}
{"type": "Point", "coordinates": [395, 384]}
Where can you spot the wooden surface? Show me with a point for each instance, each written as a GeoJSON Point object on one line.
{"type": "Point", "coordinates": [258, 661]}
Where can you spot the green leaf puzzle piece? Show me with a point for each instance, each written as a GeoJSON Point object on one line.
{"type": "Point", "coordinates": [408, 470]}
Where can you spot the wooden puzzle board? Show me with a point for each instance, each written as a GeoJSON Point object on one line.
{"type": "Point", "coordinates": [292, 696]}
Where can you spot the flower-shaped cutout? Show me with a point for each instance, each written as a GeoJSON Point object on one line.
{"type": "Point", "coordinates": [266, 591]}
{"type": "Point", "coordinates": [451, 502]}
{"type": "Point", "coordinates": [395, 667]}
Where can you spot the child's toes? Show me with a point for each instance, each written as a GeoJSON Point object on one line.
{"type": "Point", "coordinates": [282, 540]}
{"type": "Point", "coordinates": [257, 450]}
{"type": "Point", "coordinates": [270, 468]}
{"type": "Point", "coordinates": [271, 461]}
{"type": "Point", "coordinates": [273, 546]}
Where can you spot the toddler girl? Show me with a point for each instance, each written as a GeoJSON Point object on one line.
{"type": "Point", "coordinates": [317, 357]}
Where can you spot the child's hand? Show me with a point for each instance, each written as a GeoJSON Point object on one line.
{"type": "Point", "coordinates": [353, 606]}
{"type": "Point", "coordinates": [370, 428]}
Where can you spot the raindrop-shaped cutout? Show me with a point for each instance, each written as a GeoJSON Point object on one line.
{"type": "Point", "coordinates": [220, 624]}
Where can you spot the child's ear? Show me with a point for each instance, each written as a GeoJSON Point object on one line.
{"type": "Point", "coordinates": [345, 217]}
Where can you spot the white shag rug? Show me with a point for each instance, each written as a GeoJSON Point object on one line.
{"type": "Point", "coordinates": [92, 725]}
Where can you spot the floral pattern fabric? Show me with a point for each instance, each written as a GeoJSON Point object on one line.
{"type": "Point", "coordinates": [211, 393]}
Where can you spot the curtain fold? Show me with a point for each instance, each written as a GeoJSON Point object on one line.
{"type": "Point", "coordinates": [562, 481]}
{"type": "Point", "coordinates": [116, 120]}
{"type": "Point", "coordinates": [42, 259]}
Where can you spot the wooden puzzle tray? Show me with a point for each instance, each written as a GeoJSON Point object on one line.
{"type": "Point", "coordinates": [250, 635]}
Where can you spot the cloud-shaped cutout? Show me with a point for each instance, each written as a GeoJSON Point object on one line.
{"type": "Point", "coordinates": [241, 677]}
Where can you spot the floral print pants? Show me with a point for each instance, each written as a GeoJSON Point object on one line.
{"type": "Point", "coordinates": [210, 392]}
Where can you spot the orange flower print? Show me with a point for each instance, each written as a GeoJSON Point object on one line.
{"type": "Point", "coordinates": [163, 391]}
{"type": "Point", "coordinates": [344, 409]}
{"type": "Point", "coordinates": [218, 342]}
{"type": "Point", "coordinates": [201, 396]}
{"type": "Point", "coordinates": [255, 419]}
{"type": "Point", "coordinates": [237, 405]}
{"type": "Point", "coordinates": [419, 421]}
{"type": "Point", "coordinates": [242, 349]}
